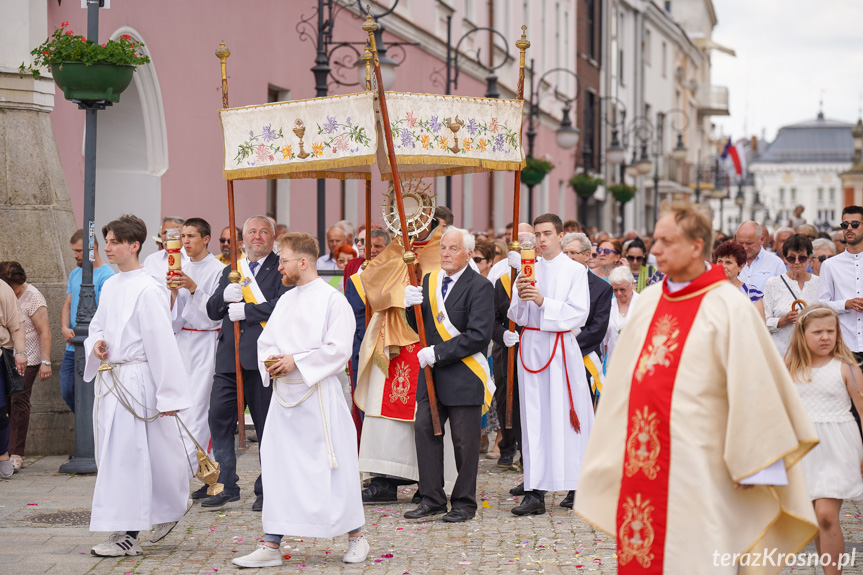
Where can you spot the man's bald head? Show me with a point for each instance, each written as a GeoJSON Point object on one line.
{"type": "Point", "coordinates": [524, 228]}
{"type": "Point", "coordinates": [749, 236]}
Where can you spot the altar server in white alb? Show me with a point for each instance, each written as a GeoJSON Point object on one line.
{"type": "Point", "coordinates": [556, 411]}
{"type": "Point", "coordinates": [309, 458]}
{"type": "Point", "coordinates": [142, 480]}
{"type": "Point", "coordinates": [196, 333]}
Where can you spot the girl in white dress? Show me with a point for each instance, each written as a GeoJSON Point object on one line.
{"type": "Point", "coordinates": [828, 380]}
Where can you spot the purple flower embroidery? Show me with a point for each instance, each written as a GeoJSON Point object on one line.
{"type": "Point", "coordinates": [497, 145]}
{"type": "Point", "coordinates": [435, 125]}
{"type": "Point", "coordinates": [331, 125]}
{"type": "Point", "coordinates": [472, 127]}
{"type": "Point", "coordinates": [407, 139]}
{"type": "Point", "coordinates": [251, 134]}
{"type": "Point", "coordinates": [268, 133]}
{"type": "Point", "coordinates": [348, 121]}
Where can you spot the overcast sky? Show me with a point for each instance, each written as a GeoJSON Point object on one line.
{"type": "Point", "coordinates": [788, 52]}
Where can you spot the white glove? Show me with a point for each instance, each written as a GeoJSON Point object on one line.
{"type": "Point", "coordinates": [413, 296]}
{"type": "Point", "coordinates": [233, 293]}
{"type": "Point", "coordinates": [515, 260]}
{"type": "Point", "coordinates": [426, 356]}
{"type": "Point", "coordinates": [510, 338]}
{"type": "Point", "coordinates": [237, 311]}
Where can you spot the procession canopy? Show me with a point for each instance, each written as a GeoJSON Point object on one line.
{"type": "Point", "coordinates": [340, 137]}
{"type": "Point", "coordinates": [332, 137]}
{"type": "Point", "coordinates": [448, 135]}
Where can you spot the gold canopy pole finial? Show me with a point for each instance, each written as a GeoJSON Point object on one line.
{"type": "Point", "coordinates": [234, 276]}
{"type": "Point", "coordinates": [367, 57]}
{"type": "Point", "coordinates": [522, 44]}
{"type": "Point", "coordinates": [370, 27]}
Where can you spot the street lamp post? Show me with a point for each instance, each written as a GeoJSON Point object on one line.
{"type": "Point", "coordinates": [84, 458]}
{"type": "Point", "coordinates": [566, 135]}
{"type": "Point", "coordinates": [452, 73]}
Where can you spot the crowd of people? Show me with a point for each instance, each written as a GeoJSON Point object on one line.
{"type": "Point", "coordinates": [426, 368]}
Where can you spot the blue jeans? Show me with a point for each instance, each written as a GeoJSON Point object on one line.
{"type": "Point", "coordinates": [67, 379]}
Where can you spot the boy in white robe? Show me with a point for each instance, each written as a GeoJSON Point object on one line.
{"type": "Point", "coordinates": [309, 457]}
{"type": "Point", "coordinates": [142, 479]}
{"type": "Point", "coordinates": [197, 334]}
{"type": "Point", "coordinates": [556, 410]}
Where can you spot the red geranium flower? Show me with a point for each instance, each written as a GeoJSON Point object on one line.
{"type": "Point", "coordinates": [64, 24]}
{"type": "Point", "coordinates": [47, 53]}
{"type": "Point", "coordinates": [126, 37]}
{"type": "Point", "coordinates": [69, 33]}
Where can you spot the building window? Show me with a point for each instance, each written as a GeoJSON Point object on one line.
{"type": "Point", "coordinates": [469, 11]}
{"type": "Point", "coordinates": [668, 6]}
{"type": "Point", "coordinates": [793, 194]}
{"type": "Point", "coordinates": [648, 40]}
{"type": "Point", "coordinates": [832, 194]}
{"type": "Point", "coordinates": [820, 195]}
{"type": "Point", "coordinates": [591, 28]}
{"type": "Point", "coordinates": [781, 195]}
{"type": "Point", "coordinates": [664, 60]}
{"type": "Point", "coordinates": [589, 131]}
{"type": "Point", "coordinates": [621, 33]}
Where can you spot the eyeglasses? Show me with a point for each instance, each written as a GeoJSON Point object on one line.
{"type": "Point", "coordinates": [283, 261]}
{"type": "Point", "coordinates": [593, 254]}
{"type": "Point", "coordinates": [634, 259]}
{"type": "Point", "coordinates": [821, 258]}
{"type": "Point", "coordinates": [224, 240]}
{"type": "Point", "coordinates": [797, 259]}
{"type": "Point", "coordinates": [360, 241]}
{"type": "Point", "coordinates": [479, 259]}
{"type": "Point", "coordinates": [605, 251]}
{"type": "Point", "coordinates": [855, 224]}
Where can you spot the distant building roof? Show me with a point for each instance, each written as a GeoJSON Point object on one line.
{"type": "Point", "coordinates": [819, 140]}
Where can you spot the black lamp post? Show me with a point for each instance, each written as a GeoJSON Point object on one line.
{"type": "Point", "coordinates": [322, 70]}
{"type": "Point", "coordinates": [84, 458]}
{"type": "Point", "coordinates": [566, 134]}
{"type": "Point", "coordinates": [452, 73]}
{"type": "Point", "coordinates": [678, 154]}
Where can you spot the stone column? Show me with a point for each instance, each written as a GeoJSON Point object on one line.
{"type": "Point", "coordinates": [34, 205]}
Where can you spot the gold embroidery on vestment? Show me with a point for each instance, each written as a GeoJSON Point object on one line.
{"type": "Point", "coordinates": [642, 445]}
{"type": "Point", "coordinates": [636, 533]}
{"type": "Point", "coordinates": [659, 352]}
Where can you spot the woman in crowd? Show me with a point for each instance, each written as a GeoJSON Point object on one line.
{"type": "Point", "coordinates": [483, 256]}
{"type": "Point", "coordinates": [643, 274]}
{"type": "Point", "coordinates": [828, 380]}
{"type": "Point", "coordinates": [732, 257]}
{"type": "Point", "coordinates": [37, 344]}
{"type": "Point", "coordinates": [822, 250]}
{"type": "Point", "coordinates": [780, 292]}
{"type": "Point", "coordinates": [344, 254]}
{"type": "Point", "coordinates": [608, 254]}
{"type": "Point", "coordinates": [621, 281]}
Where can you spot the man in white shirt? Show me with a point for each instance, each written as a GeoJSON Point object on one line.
{"type": "Point", "coordinates": [761, 265]}
{"type": "Point", "coordinates": [840, 284]}
{"type": "Point", "coordinates": [335, 237]}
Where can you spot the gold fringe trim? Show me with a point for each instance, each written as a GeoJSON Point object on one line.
{"type": "Point", "coordinates": [312, 169]}
{"type": "Point", "coordinates": [474, 167]}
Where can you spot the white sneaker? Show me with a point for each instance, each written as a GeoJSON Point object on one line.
{"type": "Point", "coordinates": [161, 530]}
{"type": "Point", "coordinates": [263, 556]}
{"type": "Point", "coordinates": [358, 550]}
{"type": "Point", "coordinates": [118, 545]}
{"type": "Point", "coordinates": [6, 468]}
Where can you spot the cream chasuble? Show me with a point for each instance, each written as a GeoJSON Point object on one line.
{"type": "Point", "coordinates": [143, 476]}
{"type": "Point", "coordinates": [551, 447]}
{"type": "Point", "coordinates": [197, 336]}
{"type": "Point", "coordinates": [696, 399]}
{"type": "Point", "coordinates": [309, 448]}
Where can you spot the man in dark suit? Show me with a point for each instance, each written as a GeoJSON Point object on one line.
{"type": "Point", "coordinates": [250, 303]}
{"type": "Point", "coordinates": [577, 247]}
{"type": "Point", "coordinates": [458, 315]}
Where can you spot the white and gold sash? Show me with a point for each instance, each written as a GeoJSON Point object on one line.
{"type": "Point", "coordinates": [477, 362]}
{"type": "Point", "coordinates": [251, 290]}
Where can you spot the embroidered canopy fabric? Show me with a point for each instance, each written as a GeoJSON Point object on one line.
{"type": "Point", "coordinates": [338, 137]}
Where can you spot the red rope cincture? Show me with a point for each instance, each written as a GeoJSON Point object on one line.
{"type": "Point", "coordinates": [573, 417]}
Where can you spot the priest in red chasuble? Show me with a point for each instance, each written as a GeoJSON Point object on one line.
{"type": "Point", "coordinates": [695, 450]}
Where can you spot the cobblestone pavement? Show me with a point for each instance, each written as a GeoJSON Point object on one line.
{"type": "Point", "coordinates": [44, 514]}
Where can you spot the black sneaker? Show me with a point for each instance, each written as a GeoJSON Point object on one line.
{"type": "Point", "coordinates": [200, 493]}
{"type": "Point", "coordinates": [220, 499]}
{"type": "Point", "coordinates": [533, 504]}
{"type": "Point", "coordinates": [380, 491]}
{"type": "Point", "coordinates": [568, 500]}
{"type": "Point", "coordinates": [505, 461]}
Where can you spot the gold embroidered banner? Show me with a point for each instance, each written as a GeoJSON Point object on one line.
{"type": "Point", "coordinates": [331, 137]}
{"type": "Point", "coordinates": [446, 135]}
{"type": "Point", "coordinates": [339, 137]}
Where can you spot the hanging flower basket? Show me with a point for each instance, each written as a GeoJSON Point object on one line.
{"type": "Point", "coordinates": [622, 193]}
{"type": "Point", "coordinates": [85, 70]}
{"type": "Point", "coordinates": [584, 185]}
{"type": "Point", "coordinates": [95, 82]}
{"type": "Point", "coordinates": [535, 171]}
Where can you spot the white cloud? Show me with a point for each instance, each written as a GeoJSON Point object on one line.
{"type": "Point", "coordinates": [789, 53]}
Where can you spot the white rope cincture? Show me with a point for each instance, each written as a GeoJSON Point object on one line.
{"type": "Point", "coordinates": [334, 464]}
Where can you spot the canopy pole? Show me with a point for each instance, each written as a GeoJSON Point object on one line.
{"type": "Point", "coordinates": [522, 44]}
{"type": "Point", "coordinates": [234, 276]}
{"type": "Point", "coordinates": [409, 256]}
{"type": "Point", "coordinates": [367, 56]}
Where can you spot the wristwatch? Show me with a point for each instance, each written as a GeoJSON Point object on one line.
{"type": "Point", "coordinates": [46, 362]}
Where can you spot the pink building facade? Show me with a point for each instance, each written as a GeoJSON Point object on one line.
{"type": "Point", "coordinates": [160, 149]}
